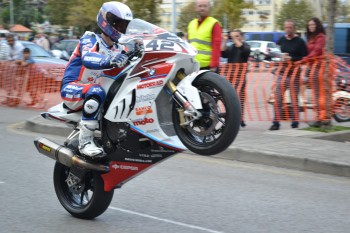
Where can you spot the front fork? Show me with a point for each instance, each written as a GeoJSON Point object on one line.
{"type": "Point", "coordinates": [188, 113]}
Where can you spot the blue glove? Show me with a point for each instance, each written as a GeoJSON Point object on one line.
{"type": "Point", "coordinates": [119, 60]}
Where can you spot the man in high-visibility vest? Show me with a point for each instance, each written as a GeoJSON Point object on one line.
{"type": "Point", "coordinates": [204, 33]}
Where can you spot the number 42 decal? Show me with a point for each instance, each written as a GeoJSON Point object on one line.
{"type": "Point", "coordinates": [160, 45]}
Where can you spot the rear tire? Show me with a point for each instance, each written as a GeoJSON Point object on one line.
{"type": "Point", "coordinates": [221, 117]}
{"type": "Point", "coordinates": [87, 203]}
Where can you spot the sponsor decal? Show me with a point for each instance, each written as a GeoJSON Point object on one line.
{"type": "Point", "coordinates": [70, 96]}
{"type": "Point", "coordinates": [157, 156]}
{"type": "Point", "coordinates": [96, 89]}
{"type": "Point", "coordinates": [44, 147]}
{"type": "Point", "coordinates": [93, 59]}
{"type": "Point", "coordinates": [90, 79]}
{"type": "Point", "coordinates": [144, 155]}
{"type": "Point", "coordinates": [143, 110]}
{"type": "Point", "coordinates": [162, 150]}
{"type": "Point", "coordinates": [86, 41]}
{"type": "Point", "coordinates": [74, 87]}
{"type": "Point", "coordinates": [144, 98]}
{"type": "Point", "coordinates": [138, 160]}
{"type": "Point", "coordinates": [150, 84]}
{"type": "Point", "coordinates": [125, 167]}
{"type": "Point", "coordinates": [144, 121]}
{"type": "Point", "coordinates": [152, 131]}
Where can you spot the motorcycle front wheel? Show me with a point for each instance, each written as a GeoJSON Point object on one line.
{"type": "Point", "coordinates": [85, 200]}
{"type": "Point", "coordinates": [220, 121]}
{"type": "Point", "coordinates": [341, 110]}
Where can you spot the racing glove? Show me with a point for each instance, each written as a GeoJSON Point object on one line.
{"type": "Point", "coordinates": [119, 60]}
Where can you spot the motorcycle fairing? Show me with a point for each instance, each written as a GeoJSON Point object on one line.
{"type": "Point", "coordinates": [132, 156]}
{"type": "Point", "coordinates": [62, 114]}
{"type": "Point", "coordinates": [186, 88]}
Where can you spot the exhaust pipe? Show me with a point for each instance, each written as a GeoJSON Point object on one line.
{"type": "Point", "coordinates": [64, 155]}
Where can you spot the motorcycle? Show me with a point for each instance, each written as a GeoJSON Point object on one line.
{"type": "Point", "coordinates": [160, 104]}
{"type": "Point", "coordinates": [341, 97]}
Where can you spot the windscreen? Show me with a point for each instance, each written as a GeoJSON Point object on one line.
{"type": "Point", "coordinates": [145, 30]}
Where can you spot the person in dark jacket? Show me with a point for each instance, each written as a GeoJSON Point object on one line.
{"type": "Point", "coordinates": [237, 52]}
{"type": "Point", "coordinates": [294, 49]}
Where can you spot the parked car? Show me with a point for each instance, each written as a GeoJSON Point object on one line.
{"type": "Point", "coordinates": [44, 76]}
{"type": "Point", "coordinates": [64, 48]}
{"type": "Point", "coordinates": [264, 50]}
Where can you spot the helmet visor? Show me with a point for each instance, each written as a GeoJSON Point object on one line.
{"type": "Point", "coordinates": [117, 23]}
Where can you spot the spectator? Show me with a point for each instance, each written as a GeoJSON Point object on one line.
{"type": "Point", "coordinates": [204, 33]}
{"type": "Point", "coordinates": [4, 47]}
{"type": "Point", "coordinates": [43, 42]}
{"type": "Point", "coordinates": [316, 38]}
{"type": "Point", "coordinates": [26, 57]}
{"type": "Point", "coordinates": [35, 82]}
{"type": "Point", "coordinates": [316, 42]}
{"type": "Point", "coordinates": [11, 81]}
{"type": "Point", "coordinates": [15, 48]}
{"type": "Point", "coordinates": [181, 35]}
{"type": "Point", "coordinates": [237, 52]}
{"type": "Point", "coordinates": [294, 49]}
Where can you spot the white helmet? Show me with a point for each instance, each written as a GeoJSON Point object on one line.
{"type": "Point", "coordinates": [113, 19]}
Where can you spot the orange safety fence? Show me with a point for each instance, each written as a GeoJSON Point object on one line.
{"type": "Point", "coordinates": [30, 86]}
{"type": "Point", "coordinates": [278, 91]}
{"type": "Point", "coordinates": [267, 91]}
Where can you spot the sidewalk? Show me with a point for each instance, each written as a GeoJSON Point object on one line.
{"type": "Point", "coordinates": [289, 148]}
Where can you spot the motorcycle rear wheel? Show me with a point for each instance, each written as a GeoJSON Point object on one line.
{"type": "Point", "coordinates": [220, 121]}
{"type": "Point", "coordinates": [88, 202]}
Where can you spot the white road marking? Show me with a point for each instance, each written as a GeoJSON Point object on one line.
{"type": "Point", "coordinates": [1, 182]}
{"type": "Point", "coordinates": [164, 220]}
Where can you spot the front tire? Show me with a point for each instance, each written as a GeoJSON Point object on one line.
{"type": "Point", "coordinates": [342, 110]}
{"type": "Point", "coordinates": [85, 200]}
{"type": "Point", "coordinates": [220, 121]}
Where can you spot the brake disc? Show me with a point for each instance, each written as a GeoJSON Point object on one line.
{"type": "Point", "coordinates": [206, 124]}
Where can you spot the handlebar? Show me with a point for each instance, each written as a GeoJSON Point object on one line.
{"type": "Point", "coordinates": [137, 52]}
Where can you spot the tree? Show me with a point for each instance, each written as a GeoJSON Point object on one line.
{"type": "Point", "coordinates": [299, 11]}
{"type": "Point", "coordinates": [232, 9]}
{"type": "Point", "coordinates": [342, 12]}
{"type": "Point", "coordinates": [186, 15]}
{"type": "Point", "coordinates": [331, 12]}
{"type": "Point", "coordinates": [24, 11]}
{"type": "Point", "coordinates": [229, 9]}
{"type": "Point", "coordinates": [148, 10]}
{"type": "Point", "coordinates": [83, 14]}
{"type": "Point", "coordinates": [57, 11]}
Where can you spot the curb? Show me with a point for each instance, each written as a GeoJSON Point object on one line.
{"type": "Point", "coordinates": [234, 153]}
{"type": "Point", "coordinates": [285, 161]}
{"type": "Point", "coordinates": [40, 127]}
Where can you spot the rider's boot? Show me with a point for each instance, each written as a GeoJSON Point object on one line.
{"type": "Point", "coordinates": [87, 145]}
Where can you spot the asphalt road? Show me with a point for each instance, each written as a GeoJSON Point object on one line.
{"type": "Point", "coordinates": [184, 194]}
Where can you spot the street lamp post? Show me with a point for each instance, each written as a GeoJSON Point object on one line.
{"type": "Point", "coordinates": [174, 15]}
{"type": "Point", "coordinates": [11, 13]}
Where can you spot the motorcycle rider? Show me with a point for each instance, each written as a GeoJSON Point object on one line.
{"type": "Point", "coordinates": [93, 55]}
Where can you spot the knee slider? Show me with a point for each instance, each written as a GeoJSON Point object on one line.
{"type": "Point", "coordinates": [91, 108]}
